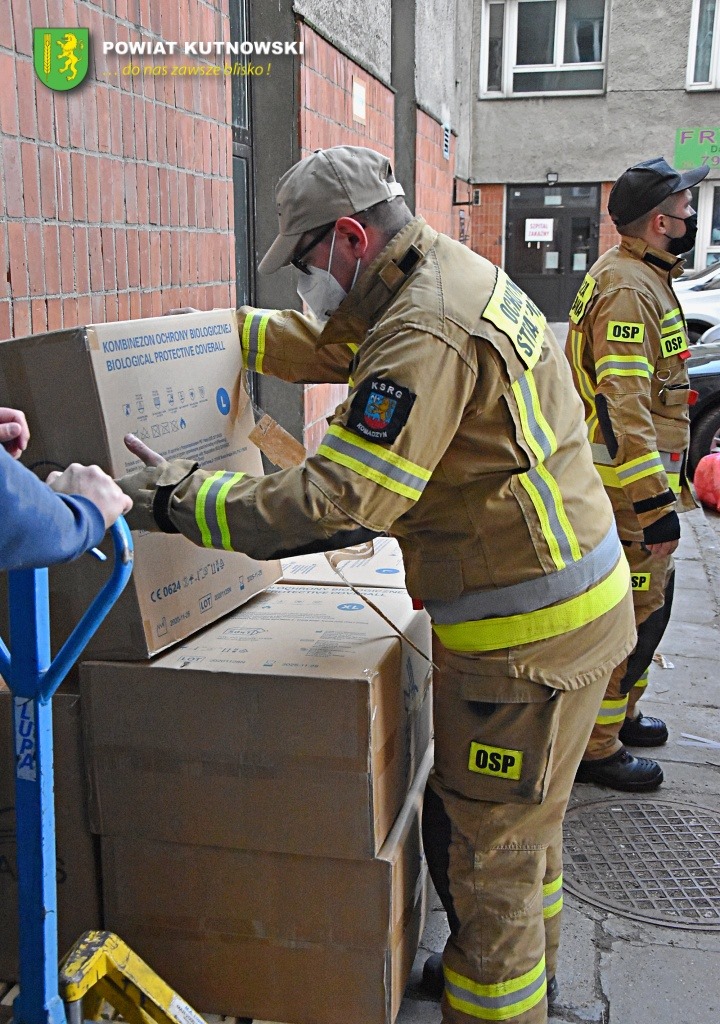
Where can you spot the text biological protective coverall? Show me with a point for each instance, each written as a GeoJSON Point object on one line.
{"type": "Point", "coordinates": [627, 345]}
{"type": "Point", "coordinates": [463, 437]}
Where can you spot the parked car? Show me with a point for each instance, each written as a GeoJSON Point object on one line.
{"type": "Point", "coordinates": [699, 298]}
{"type": "Point", "coordinates": [704, 373]}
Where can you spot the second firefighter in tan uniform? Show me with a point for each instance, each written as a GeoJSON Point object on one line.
{"type": "Point", "coordinates": [458, 438]}
{"type": "Point", "coordinates": [627, 345]}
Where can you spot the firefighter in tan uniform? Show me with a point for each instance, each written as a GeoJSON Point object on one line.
{"type": "Point", "coordinates": [463, 437]}
{"type": "Point", "coordinates": [627, 346]}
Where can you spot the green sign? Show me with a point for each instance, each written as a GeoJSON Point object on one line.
{"type": "Point", "coordinates": [61, 56]}
{"type": "Point", "coordinates": [697, 146]}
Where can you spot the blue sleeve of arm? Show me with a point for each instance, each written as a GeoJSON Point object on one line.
{"type": "Point", "coordinates": [39, 527]}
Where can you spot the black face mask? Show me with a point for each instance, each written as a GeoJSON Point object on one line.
{"type": "Point", "coordinates": [685, 243]}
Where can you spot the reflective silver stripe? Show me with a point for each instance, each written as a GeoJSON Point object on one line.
{"type": "Point", "coordinates": [670, 321]}
{"type": "Point", "coordinates": [548, 501]}
{"type": "Point", "coordinates": [601, 457]}
{"type": "Point", "coordinates": [211, 511]}
{"type": "Point", "coordinates": [520, 999]}
{"type": "Point", "coordinates": [538, 434]}
{"type": "Point", "coordinates": [575, 578]}
{"type": "Point", "coordinates": [631, 472]}
{"type": "Point", "coordinates": [256, 351]}
{"type": "Point", "coordinates": [383, 467]}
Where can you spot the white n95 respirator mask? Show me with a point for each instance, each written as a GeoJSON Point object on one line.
{"type": "Point", "coordinates": [320, 291]}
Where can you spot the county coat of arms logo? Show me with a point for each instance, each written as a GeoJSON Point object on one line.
{"type": "Point", "coordinates": [61, 56]}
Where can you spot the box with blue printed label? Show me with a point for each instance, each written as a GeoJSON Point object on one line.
{"type": "Point", "coordinates": [295, 725]}
{"type": "Point", "coordinates": [175, 382]}
{"type": "Point", "coordinates": [381, 567]}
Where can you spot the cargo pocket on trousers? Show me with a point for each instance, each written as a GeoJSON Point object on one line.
{"type": "Point", "coordinates": [494, 737]}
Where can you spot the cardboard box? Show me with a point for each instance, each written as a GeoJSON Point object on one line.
{"type": "Point", "coordinates": [309, 940]}
{"type": "Point", "coordinates": [295, 725]}
{"type": "Point", "coordinates": [383, 569]}
{"type": "Point", "coordinates": [78, 875]}
{"type": "Point", "coordinates": [176, 383]}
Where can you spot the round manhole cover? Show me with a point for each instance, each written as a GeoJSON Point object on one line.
{"type": "Point", "coordinates": [654, 861]}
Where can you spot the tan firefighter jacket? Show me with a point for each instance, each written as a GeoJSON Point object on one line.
{"type": "Point", "coordinates": [627, 345]}
{"type": "Point", "coordinates": [462, 436]}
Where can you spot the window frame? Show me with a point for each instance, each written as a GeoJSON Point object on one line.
{"type": "Point", "coordinates": [714, 84]}
{"type": "Point", "coordinates": [510, 68]}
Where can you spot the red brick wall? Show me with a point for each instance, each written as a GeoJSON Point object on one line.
{"type": "Point", "coordinates": [434, 176]}
{"type": "Point", "coordinates": [116, 200]}
{"type": "Point", "coordinates": [326, 115]}
{"type": "Point", "coordinates": [326, 119]}
{"type": "Point", "coordinates": [608, 233]}
{"type": "Point", "coordinates": [488, 223]}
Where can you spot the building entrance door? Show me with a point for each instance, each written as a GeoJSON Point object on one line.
{"type": "Point", "coordinates": [551, 242]}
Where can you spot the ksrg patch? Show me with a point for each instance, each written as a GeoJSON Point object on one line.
{"type": "Point", "coordinates": [380, 409]}
{"type": "Point", "coordinates": [495, 761]}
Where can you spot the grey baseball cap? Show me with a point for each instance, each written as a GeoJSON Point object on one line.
{"type": "Point", "coordinates": [644, 186]}
{"type": "Point", "coordinates": [328, 184]}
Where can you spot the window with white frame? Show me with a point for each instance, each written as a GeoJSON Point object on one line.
{"type": "Point", "coordinates": [532, 47]}
{"type": "Point", "coordinates": [704, 58]}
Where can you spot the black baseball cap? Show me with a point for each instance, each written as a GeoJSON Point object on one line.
{"type": "Point", "coordinates": [644, 186]}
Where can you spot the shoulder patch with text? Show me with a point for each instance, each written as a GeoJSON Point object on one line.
{"type": "Point", "coordinates": [516, 315]}
{"type": "Point", "coordinates": [625, 330]}
{"type": "Point", "coordinates": [640, 580]}
{"type": "Point", "coordinates": [380, 409]}
{"type": "Point", "coordinates": [495, 761]}
{"type": "Point", "coordinates": [674, 344]}
{"type": "Point", "coordinates": [581, 300]}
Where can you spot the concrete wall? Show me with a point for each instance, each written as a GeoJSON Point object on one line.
{"type": "Point", "coordinates": [593, 138]}
{"type": "Point", "coordinates": [435, 57]}
{"type": "Point", "coordinates": [361, 29]}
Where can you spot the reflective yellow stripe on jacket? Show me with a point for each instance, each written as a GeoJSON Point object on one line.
{"type": "Point", "coordinates": [252, 339]}
{"type": "Point", "coordinates": [210, 514]}
{"type": "Point", "coordinates": [496, 1002]}
{"type": "Point", "coordinates": [636, 469]}
{"type": "Point", "coordinates": [623, 366]}
{"type": "Point", "coordinates": [538, 482]}
{"type": "Point", "coordinates": [585, 384]}
{"type": "Point", "coordinates": [552, 897]}
{"type": "Point", "coordinates": [374, 462]}
{"type": "Point", "coordinates": [524, 628]}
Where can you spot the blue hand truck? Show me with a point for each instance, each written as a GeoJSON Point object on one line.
{"type": "Point", "coordinates": [100, 968]}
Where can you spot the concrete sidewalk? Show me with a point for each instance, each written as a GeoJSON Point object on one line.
{"type": "Point", "coordinates": [618, 969]}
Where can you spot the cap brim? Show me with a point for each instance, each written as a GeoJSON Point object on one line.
{"type": "Point", "coordinates": [690, 178]}
{"type": "Point", "coordinates": [280, 253]}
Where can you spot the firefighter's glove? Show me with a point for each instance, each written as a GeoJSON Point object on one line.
{"type": "Point", "coordinates": [151, 489]}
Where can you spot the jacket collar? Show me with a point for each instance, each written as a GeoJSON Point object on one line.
{"type": "Point", "coordinates": [656, 258]}
{"type": "Point", "coordinates": [378, 284]}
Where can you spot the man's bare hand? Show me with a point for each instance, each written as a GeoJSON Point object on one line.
{"type": "Point", "coordinates": [662, 550]}
{"type": "Point", "coordinates": [92, 483]}
{"type": "Point", "coordinates": [145, 454]}
{"type": "Point", "coordinates": [14, 431]}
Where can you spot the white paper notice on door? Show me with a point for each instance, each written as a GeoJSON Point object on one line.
{"type": "Point", "coordinates": [539, 229]}
{"type": "Point", "coordinates": [579, 261]}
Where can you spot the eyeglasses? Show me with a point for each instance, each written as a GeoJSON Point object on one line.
{"type": "Point", "coordinates": [298, 261]}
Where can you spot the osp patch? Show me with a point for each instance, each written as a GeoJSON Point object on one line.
{"type": "Point", "coordinates": [495, 761]}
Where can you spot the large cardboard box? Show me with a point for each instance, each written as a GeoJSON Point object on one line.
{"type": "Point", "coordinates": [384, 568]}
{"type": "Point", "coordinates": [307, 940]}
{"type": "Point", "coordinates": [295, 725]}
{"type": "Point", "coordinates": [176, 383]}
{"type": "Point", "coordinates": [78, 855]}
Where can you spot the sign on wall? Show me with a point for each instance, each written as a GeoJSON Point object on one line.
{"type": "Point", "coordinates": [696, 146]}
{"type": "Point", "coordinates": [539, 229]}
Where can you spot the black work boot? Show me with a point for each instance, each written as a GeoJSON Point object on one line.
{"type": "Point", "coordinates": [643, 732]}
{"type": "Point", "coordinates": [433, 979]}
{"type": "Point", "coordinates": [622, 771]}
